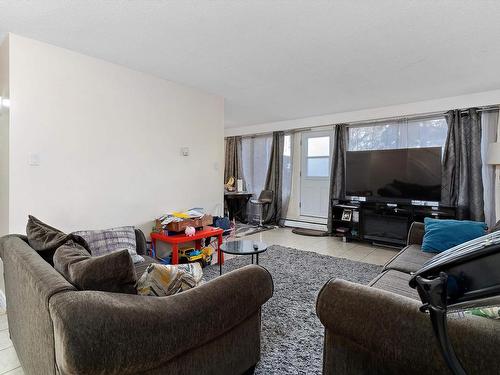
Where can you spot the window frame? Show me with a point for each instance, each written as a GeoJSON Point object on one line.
{"type": "Point", "coordinates": [305, 147]}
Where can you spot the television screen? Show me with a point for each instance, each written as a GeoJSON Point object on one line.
{"type": "Point", "coordinates": [394, 175]}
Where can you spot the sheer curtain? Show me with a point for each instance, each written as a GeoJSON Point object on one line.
{"type": "Point", "coordinates": [255, 155]}
{"type": "Point", "coordinates": [287, 176]}
{"type": "Point", "coordinates": [279, 178]}
{"type": "Point", "coordinates": [489, 125]}
{"type": "Point", "coordinates": [404, 133]}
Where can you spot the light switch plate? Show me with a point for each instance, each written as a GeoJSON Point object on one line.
{"type": "Point", "coordinates": [34, 159]}
{"type": "Point", "coordinates": [185, 151]}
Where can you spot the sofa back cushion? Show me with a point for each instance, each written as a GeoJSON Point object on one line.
{"type": "Point", "coordinates": [43, 237]}
{"type": "Point", "coordinates": [113, 272]}
{"type": "Point", "coordinates": [441, 235]}
{"type": "Point", "coordinates": [101, 242]}
{"type": "Point", "coordinates": [46, 239]}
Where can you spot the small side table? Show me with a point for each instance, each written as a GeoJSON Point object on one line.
{"type": "Point", "coordinates": [236, 204]}
{"type": "Point", "coordinates": [243, 247]}
{"type": "Point", "coordinates": [178, 239]}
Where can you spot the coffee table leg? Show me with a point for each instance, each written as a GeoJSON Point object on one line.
{"type": "Point", "coordinates": [257, 258]}
{"type": "Point", "coordinates": [220, 266]}
{"type": "Point", "coordinates": [252, 258]}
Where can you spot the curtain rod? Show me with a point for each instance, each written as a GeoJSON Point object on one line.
{"type": "Point", "coordinates": [384, 119]}
{"type": "Point", "coordinates": [420, 116]}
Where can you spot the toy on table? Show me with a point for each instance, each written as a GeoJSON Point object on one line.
{"type": "Point", "coordinates": [189, 255]}
{"type": "Point", "coordinates": [190, 231]}
{"type": "Point", "coordinates": [229, 185]}
{"type": "Point", "coordinates": [177, 221]}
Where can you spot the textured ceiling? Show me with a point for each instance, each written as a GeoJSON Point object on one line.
{"type": "Point", "coordinates": [279, 60]}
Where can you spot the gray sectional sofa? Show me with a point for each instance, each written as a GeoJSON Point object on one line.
{"type": "Point", "coordinates": [57, 329]}
{"type": "Point", "coordinates": [378, 329]}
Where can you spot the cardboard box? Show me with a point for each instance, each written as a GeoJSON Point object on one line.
{"type": "Point", "coordinates": [180, 226]}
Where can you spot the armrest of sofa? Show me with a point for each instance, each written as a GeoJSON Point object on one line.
{"type": "Point", "coordinates": [393, 330]}
{"type": "Point", "coordinates": [97, 332]}
{"type": "Point", "coordinates": [416, 234]}
{"type": "Point", "coordinates": [7, 238]}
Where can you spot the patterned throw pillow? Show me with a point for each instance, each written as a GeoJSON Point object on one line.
{"type": "Point", "coordinates": [486, 312]}
{"type": "Point", "coordinates": [164, 280]}
{"type": "Point", "coordinates": [107, 241]}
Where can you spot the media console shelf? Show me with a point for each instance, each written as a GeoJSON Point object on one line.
{"type": "Point", "coordinates": [382, 223]}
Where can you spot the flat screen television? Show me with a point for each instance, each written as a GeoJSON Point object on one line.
{"type": "Point", "coordinates": [399, 175]}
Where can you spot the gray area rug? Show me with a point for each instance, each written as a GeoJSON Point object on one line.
{"type": "Point", "coordinates": [292, 335]}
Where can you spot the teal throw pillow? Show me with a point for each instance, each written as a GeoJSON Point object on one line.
{"type": "Point", "coordinates": [441, 235]}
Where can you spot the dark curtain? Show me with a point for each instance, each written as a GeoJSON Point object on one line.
{"type": "Point", "coordinates": [273, 212]}
{"type": "Point", "coordinates": [337, 172]}
{"type": "Point", "coordinates": [232, 163]}
{"type": "Point", "coordinates": [462, 182]}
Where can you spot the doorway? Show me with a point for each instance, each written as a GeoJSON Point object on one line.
{"type": "Point", "coordinates": [315, 173]}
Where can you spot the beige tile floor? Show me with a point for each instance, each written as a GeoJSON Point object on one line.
{"type": "Point", "coordinates": [9, 363]}
{"type": "Point", "coordinates": [333, 246]}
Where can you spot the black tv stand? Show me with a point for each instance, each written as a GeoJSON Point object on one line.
{"type": "Point", "coordinates": [381, 222]}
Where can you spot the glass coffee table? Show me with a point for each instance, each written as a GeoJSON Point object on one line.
{"type": "Point", "coordinates": [243, 247]}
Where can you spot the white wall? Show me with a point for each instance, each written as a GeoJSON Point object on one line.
{"type": "Point", "coordinates": [4, 138]}
{"type": "Point", "coordinates": [4, 156]}
{"type": "Point", "coordinates": [429, 106]}
{"type": "Point", "coordinates": [109, 141]}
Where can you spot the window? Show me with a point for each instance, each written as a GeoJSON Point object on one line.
{"type": "Point", "coordinates": [318, 156]}
{"type": "Point", "coordinates": [412, 133]}
{"type": "Point", "coordinates": [287, 145]}
{"type": "Point", "coordinates": [255, 155]}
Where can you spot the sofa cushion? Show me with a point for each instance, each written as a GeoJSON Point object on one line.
{"type": "Point", "coordinates": [46, 239]}
{"type": "Point", "coordinates": [106, 241]}
{"type": "Point", "coordinates": [395, 282]}
{"type": "Point", "coordinates": [112, 272]}
{"type": "Point", "coordinates": [410, 259]}
{"type": "Point", "coordinates": [441, 235]}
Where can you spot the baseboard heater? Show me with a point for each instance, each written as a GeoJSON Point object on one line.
{"type": "Point", "coordinates": [305, 224]}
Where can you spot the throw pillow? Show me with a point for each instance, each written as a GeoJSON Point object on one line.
{"type": "Point", "coordinates": [441, 235]}
{"type": "Point", "coordinates": [483, 312]}
{"type": "Point", "coordinates": [112, 272]}
{"type": "Point", "coordinates": [165, 280]}
{"type": "Point", "coordinates": [46, 239]}
{"type": "Point", "coordinates": [101, 242]}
